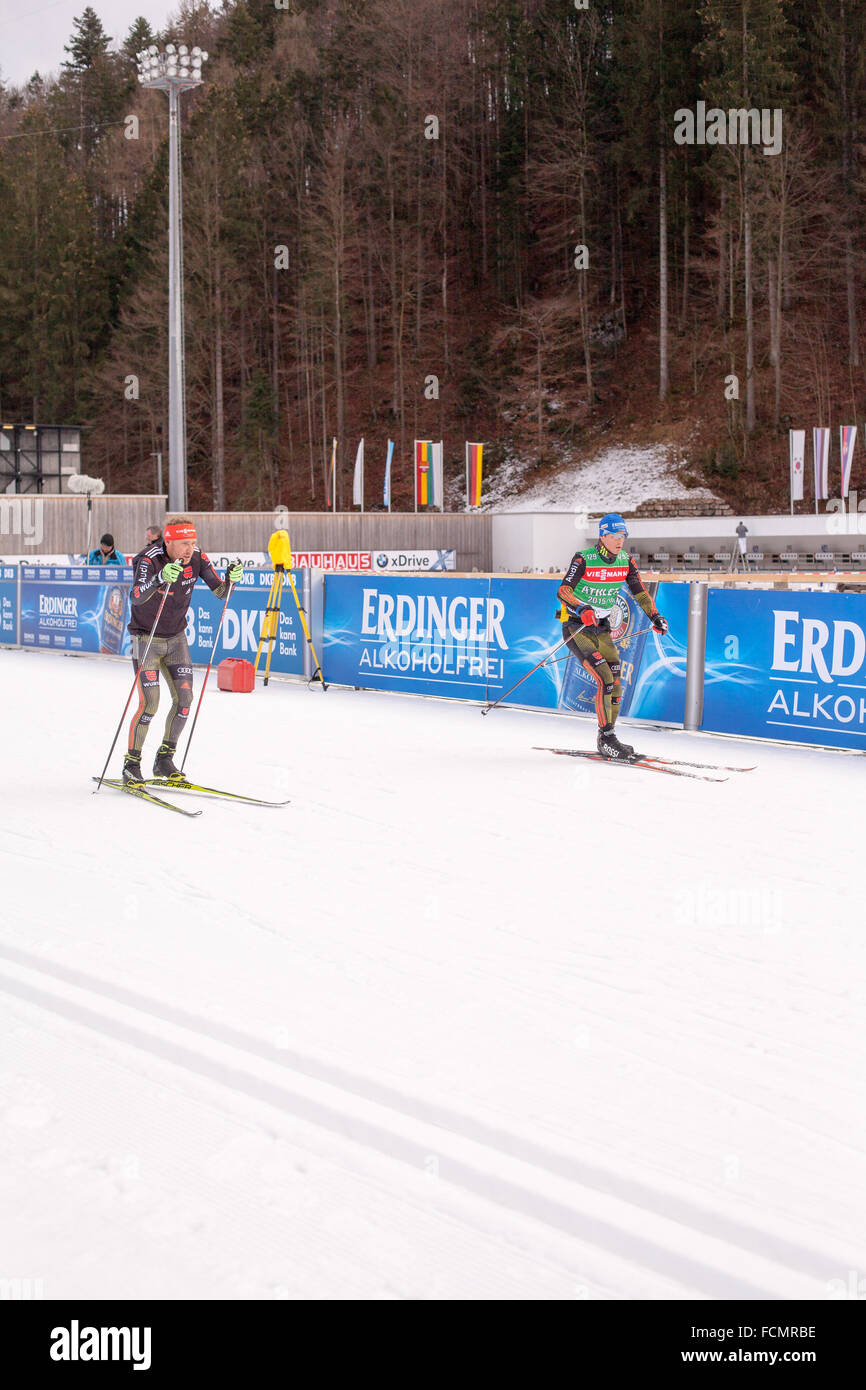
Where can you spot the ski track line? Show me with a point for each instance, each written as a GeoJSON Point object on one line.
{"type": "Point", "coordinates": [489, 1162]}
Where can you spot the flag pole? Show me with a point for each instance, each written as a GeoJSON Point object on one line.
{"type": "Point", "coordinates": [415, 471]}
{"type": "Point", "coordinates": [466, 452]}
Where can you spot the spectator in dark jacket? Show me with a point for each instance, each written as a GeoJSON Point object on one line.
{"type": "Point", "coordinates": [105, 553]}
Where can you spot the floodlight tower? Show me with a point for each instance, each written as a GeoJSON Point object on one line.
{"type": "Point", "coordinates": [174, 71]}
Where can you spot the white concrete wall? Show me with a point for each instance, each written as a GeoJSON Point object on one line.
{"type": "Point", "coordinates": [541, 540]}
{"type": "Point", "coordinates": [537, 540]}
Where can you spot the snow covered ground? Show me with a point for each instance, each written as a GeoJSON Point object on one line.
{"type": "Point", "coordinates": [626, 474]}
{"type": "Point", "coordinates": [464, 1020]}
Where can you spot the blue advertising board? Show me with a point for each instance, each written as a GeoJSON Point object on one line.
{"type": "Point", "coordinates": [9, 604]}
{"type": "Point", "coordinates": [787, 665]}
{"type": "Point", "coordinates": [83, 608]}
{"type": "Point", "coordinates": [424, 636]}
{"type": "Point", "coordinates": [242, 624]}
{"type": "Point", "coordinates": [469, 639]}
{"type": "Point", "coordinates": [660, 686]}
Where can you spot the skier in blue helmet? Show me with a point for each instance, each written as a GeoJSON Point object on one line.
{"type": "Point", "coordinates": [588, 592]}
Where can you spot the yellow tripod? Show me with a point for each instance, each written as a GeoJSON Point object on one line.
{"type": "Point", "coordinates": [281, 553]}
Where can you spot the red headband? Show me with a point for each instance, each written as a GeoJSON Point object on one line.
{"type": "Point", "coordinates": [179, 533]}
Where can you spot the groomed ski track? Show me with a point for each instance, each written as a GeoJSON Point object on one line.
{"type": "Point", "coordinates": [480, 1071]}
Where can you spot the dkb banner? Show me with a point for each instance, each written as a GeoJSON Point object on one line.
{"type": "Point", "coordinates": [787, 666]}
{"type": "Point", "coordinates": [243, 623]}
{"type": "Point", "coordinates": [9, 604]}
{"type": "Point", "coordinates": [79, 608]}
{"type": "Point", "coordinates": [466, 638]}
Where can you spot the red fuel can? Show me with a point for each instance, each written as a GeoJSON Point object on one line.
{"type": "Point", "coordinates": [235, 674]}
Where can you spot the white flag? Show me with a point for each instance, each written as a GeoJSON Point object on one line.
{"type": "Point", "coordinates": [358, 485]}
{"type": "Point", "coordinates": [438, 498]}
{"type": "Point", "coordinates": [821, 448]}
{"type": "Point", "coordinates": [847, 437]}
{"type": "Point", "coordinates": [387, 494]}
{"type": "Point", "coordinates": [797, 448]}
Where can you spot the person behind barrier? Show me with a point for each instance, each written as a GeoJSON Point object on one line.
{"type": "Point", "coordinates": [105, 553]}
{"type": "Point", "coordinates": [588, 593]}
{"type": "Point", "coordinates": [175, 563]}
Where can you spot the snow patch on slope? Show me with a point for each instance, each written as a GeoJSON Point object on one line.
{"type": "Point", "coordinates": [620, 478]}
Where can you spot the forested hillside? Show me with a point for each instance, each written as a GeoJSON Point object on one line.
{"type": "Point", "coordinates": [387, 198]}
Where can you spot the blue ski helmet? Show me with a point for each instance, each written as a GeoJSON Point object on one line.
{"type": "Point", "coordinates": [611, 522]}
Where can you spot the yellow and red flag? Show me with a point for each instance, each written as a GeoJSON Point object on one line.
{"type": "Point", "coordinates": [424, 485]}
{"type": "Point", "coordinates": [473, 474]}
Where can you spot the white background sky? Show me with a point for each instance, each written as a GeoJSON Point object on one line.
{"type": "Point", "coordinates": [33, 32]}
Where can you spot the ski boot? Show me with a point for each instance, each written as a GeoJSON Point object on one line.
{"type": "Point", "coordinates": [131, 774]}
{"type": "Point", "coordinates": [163, 764]}
{"type": "Point", "coordinates": [610, 747]}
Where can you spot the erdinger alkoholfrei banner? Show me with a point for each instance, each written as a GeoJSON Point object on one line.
{"type": "Point", "coordinates": [779, 665]}
{"type": "Point", "coordinates": [660, 684]}
{"type": "Point", "coordinates": [847, 439]}
{"type": "Point", "coordinates": [79, 608]}
{"type": "Point", "coordinates": [470, 639]}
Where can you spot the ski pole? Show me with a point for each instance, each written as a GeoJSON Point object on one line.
{"type": "Point", "coordinates": [649, 628]}
{"type": "Point", "coordinates": [207, 673]}
{"type": "Point", "coordinates": [526, 677]}
{"type": "Point", "coordinates": [141, 666]}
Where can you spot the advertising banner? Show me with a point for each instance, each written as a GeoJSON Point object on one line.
{"type": "Point", "coordinates": [787, 666]}
{"type": "Point", "coordinates": [79, 608]}
{"type": "Point", "coordinates": [242, 625]}
{"type": "Point", "coordinates": [334, 561]}
{"type": "Point", "coordinates": [422, 636]}
{"type": "Point", "coordinates": [660, 685]}
{"type": "Point", "coordinates": [396, 561]}
{"type": "Point", "coordinates": [9, 604]}
{"type": "Point", "coordinates": [467, 638]}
